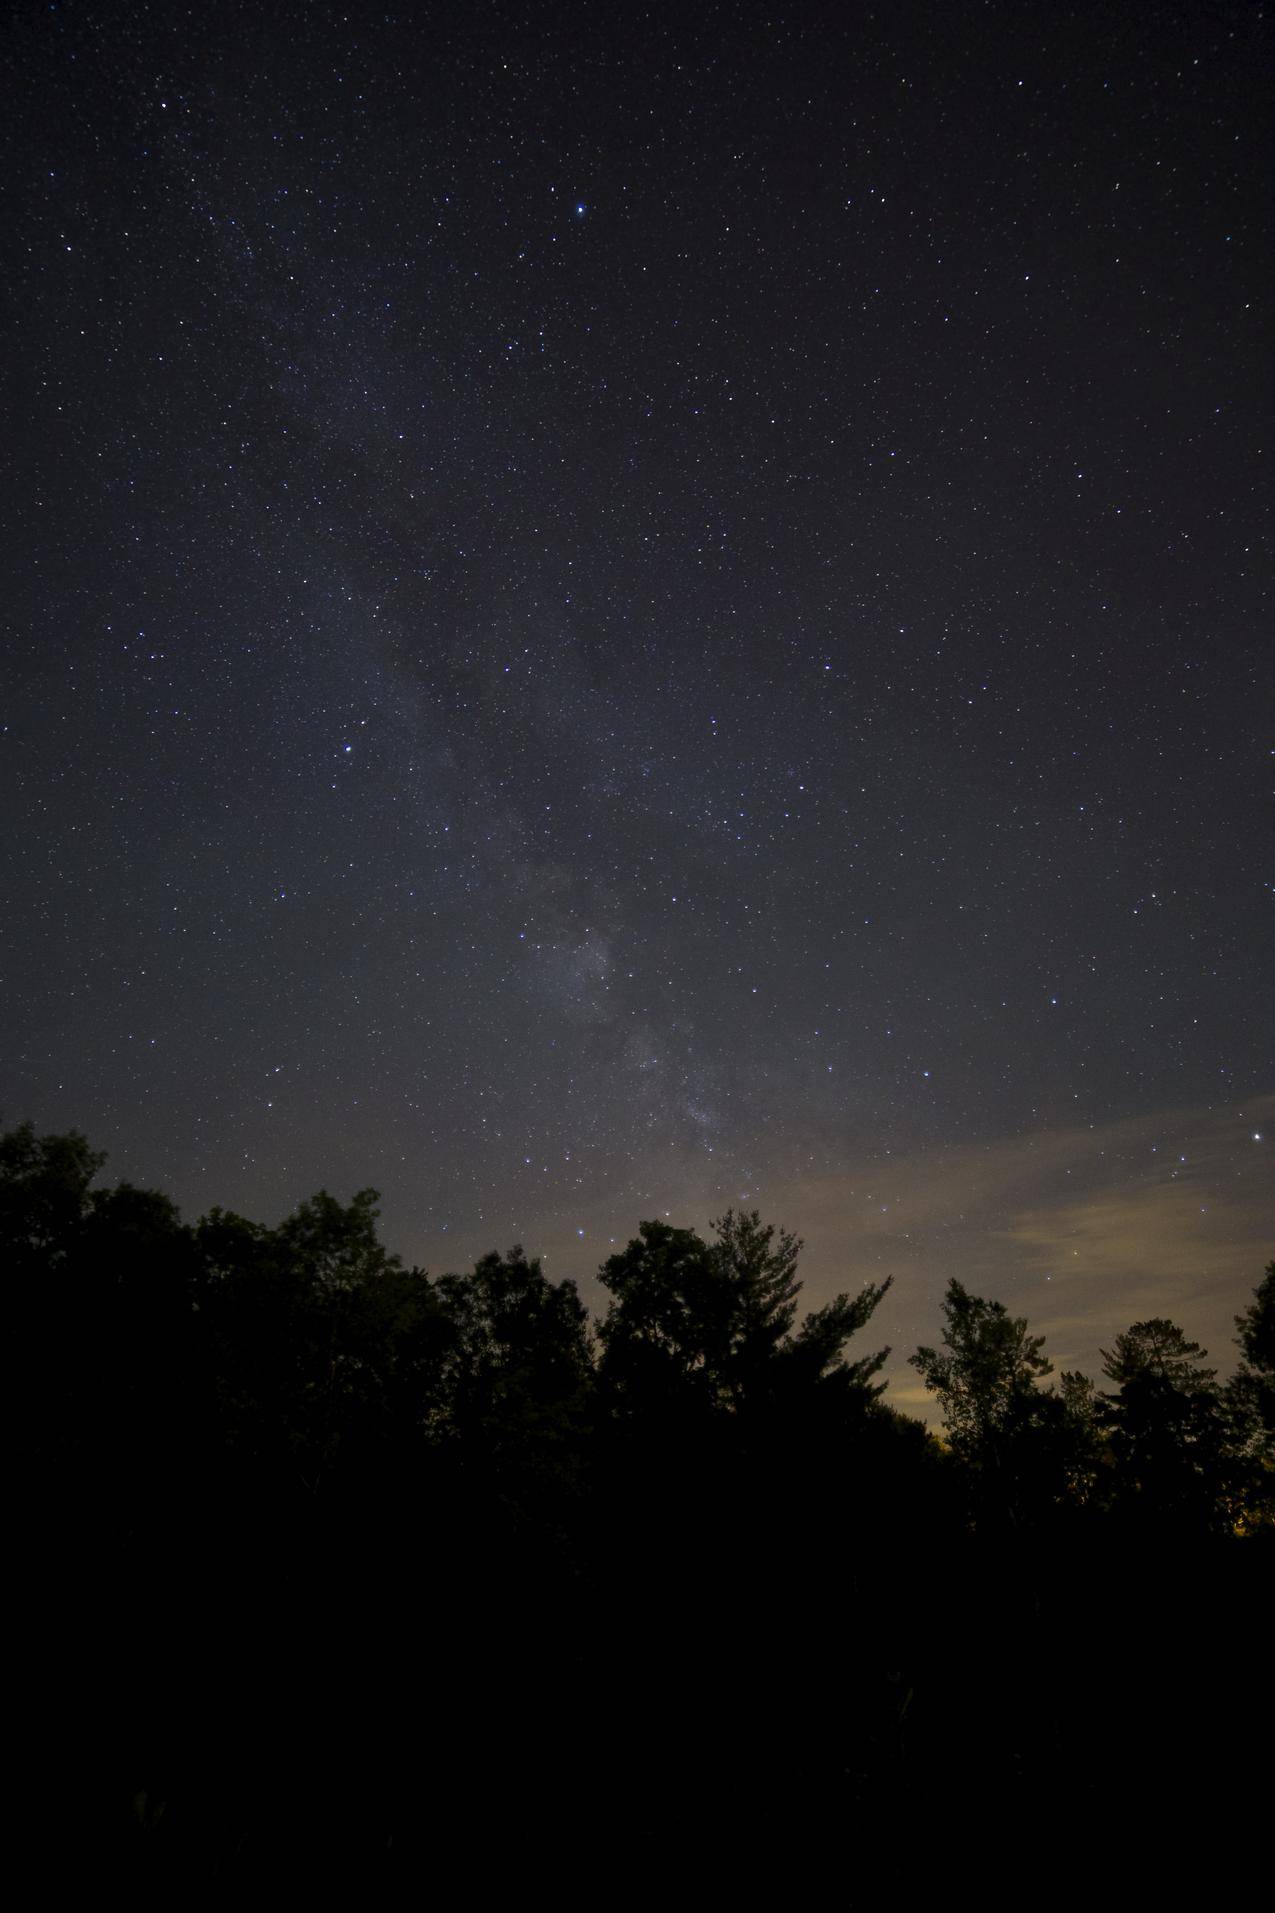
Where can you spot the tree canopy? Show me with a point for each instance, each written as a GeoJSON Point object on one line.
{"type": "Point", "coordinates": [712, 1323]}
{"type": "Point", "coordinates": [986, 1370]}
{"type": "Point", "coordinates": [355, 1532]}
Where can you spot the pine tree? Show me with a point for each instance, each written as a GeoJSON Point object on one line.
{"type": "Point", "coordinates": [710, 1325]}
{"type": "Point", "coordinates": [1168, 1434]}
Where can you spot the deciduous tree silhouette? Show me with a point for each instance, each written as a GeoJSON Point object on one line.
{"type": "Point", "coordinates": [305, 1318]}
{"type": "Point", "coordinates": [44, 1197]}
{"type": "Point", "coordinates": [517, 1382]}
{"type": "Point", "coordinates": [1030, 1451]}
{"type": "Point", "coordinates": [985, 1373]}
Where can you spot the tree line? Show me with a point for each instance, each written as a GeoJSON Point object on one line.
{"type": "Point", "coordinates": [331, 1553]}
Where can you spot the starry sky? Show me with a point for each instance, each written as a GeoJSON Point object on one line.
{"type": "Point", "coordinates": [615, 611]}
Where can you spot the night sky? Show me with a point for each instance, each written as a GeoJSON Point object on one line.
{"type": "Point", "coordinates": [615, 611]}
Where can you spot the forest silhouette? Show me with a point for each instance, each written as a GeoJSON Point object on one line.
{"type": "Point", "coordinates": [334, 1559]}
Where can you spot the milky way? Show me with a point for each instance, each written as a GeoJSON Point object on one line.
{"type": "Point", "coordinates": [611, 613]}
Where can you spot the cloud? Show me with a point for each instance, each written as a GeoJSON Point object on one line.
{"type": "Point", "coordinates": [1083, 1229]}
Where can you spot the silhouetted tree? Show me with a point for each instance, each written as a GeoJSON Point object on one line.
{"type": "Point", "coordinates": [1252, 1390]}
{"type": "Point", "coordinates": [104, 1279]}
{"type": "Point", "coordinates": [517, 1381]}
{"type": "Point", "coordinates": [1030, 1451]}
{"type": "Point", "coordinates": [44, 1197]}
{"type": "Point", "coordinates": [1167, 1432]}
{"type": "Point", "coordinates": [710, 1325]}
{"type": "Point", "coordinates": [1083, 1441]}
{"type": "Point", "coordinates": [1256, 1327]}
{"type": "Point", "coordinates": [327, 1348]}
{"type": "Point", "coordinates": [984, 1374]}
{"type": "Point", "coordinates": [1157, 1350]}
{"type": "Point", "coordinates": [1249, 1406]}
